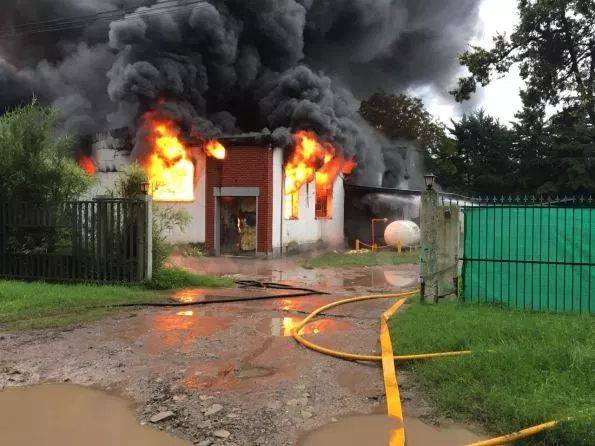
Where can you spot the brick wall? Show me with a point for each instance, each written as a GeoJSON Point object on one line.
{"type": "Point", "coordinates": [243, 167]}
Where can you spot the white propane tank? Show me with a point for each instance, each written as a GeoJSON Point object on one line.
{"type": "Point", "coordinates": [403, 232]}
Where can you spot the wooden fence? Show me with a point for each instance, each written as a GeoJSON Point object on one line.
{"type": "Point", "coordinates": [102, 240]}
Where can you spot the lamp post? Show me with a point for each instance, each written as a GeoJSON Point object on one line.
{"type": "Point", "coordinates": [144, 188]}
{"type": "Point", "coordinates": [430, 179]}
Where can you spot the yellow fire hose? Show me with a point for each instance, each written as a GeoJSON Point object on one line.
{"type": "Point", "coordinates": [388, 359]}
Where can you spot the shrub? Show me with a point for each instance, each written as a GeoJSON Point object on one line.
{"type": "Point", "coordinates": [165, 218]}
{"type": "Point", "coordinates": [36, 165]}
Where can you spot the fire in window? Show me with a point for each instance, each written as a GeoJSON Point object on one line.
{"type": "Point", "coordinates": [292, 202]}
{"type": "Point", "coordinates": [324, 200]}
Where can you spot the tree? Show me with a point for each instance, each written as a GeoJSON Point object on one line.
{"type": "Point", "coordinates": [554, 45]}
{"type": "Point", "coordinates": [482, 161]}
{"type": "Point", "coordinates": [35, 164]}
{"type": "Point", "coordinates": [403, 117]}
{"type": "Point", "coordinates": [570, 164]}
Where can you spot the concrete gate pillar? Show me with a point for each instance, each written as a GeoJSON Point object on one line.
{"type": "Point", "coordinates": [429, 222]}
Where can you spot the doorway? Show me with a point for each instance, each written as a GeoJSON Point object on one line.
{"type": "Point", "coordinates": [238, 225]}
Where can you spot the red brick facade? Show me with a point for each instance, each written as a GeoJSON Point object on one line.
{"type": "Point", "coordinates": [243, 167]}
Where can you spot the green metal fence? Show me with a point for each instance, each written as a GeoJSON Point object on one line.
{"type": "Point", "coordinates": [530, 254]}
{"type": "Point", "coordinates": [101, 240]}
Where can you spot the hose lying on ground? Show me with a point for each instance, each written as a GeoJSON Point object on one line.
{"type": "Point", "coordinates": [388, 359]}
{"type": "Point", "coordinates": [274, 286]}
{"type": "Point", "coordinates": [227, 299]}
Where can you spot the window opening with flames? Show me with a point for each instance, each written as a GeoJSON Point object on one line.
{"type": "Point", "coordinates": [292, 206]}
{"type": "Point", "coordinates": [313, 159]}
{"type": "Point", "coordinates": [324, 200]}
{"type": "Point", "coordinates": [171, 166]}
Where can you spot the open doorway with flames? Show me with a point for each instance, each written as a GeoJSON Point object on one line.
{"type": "Point", "coordinates": [238, 219]}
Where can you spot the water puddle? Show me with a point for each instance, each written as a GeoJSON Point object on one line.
{"type": "Point", "coordinates": [381, 279]}
{"type": "Point", "coordinates": [369, 430]}
{"type": "Point", "coordinates": [282, 326]}
{"type": "Point", "coordinates": [173, 329]}
{"type": "Point", "coordinates": [59, 414]}
{"type": "Point", "coordinates": [376, 430]}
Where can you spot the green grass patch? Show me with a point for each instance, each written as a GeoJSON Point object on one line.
{"type": "Point", "coordinates": [362, 258]}
{"type": "Point", "coordinates": [35, 305]}
{"type": "Point", "coordinates": [172, 278]}
{"type": "Point", "coordinates": [38, 305]}
{"type": "Point", "coordinates": [527, 368]}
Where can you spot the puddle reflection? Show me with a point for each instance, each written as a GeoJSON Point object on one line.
{"type": "Point", "coordinates": [282, 326]}
{"type": "Point", "coordinates": [178, 330]}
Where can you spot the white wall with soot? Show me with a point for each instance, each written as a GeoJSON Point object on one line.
{"type": "Point", "coordinates": [307, 231]}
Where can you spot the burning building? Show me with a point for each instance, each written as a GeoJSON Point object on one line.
{"type": "Point", "coordinates": [244, 194]}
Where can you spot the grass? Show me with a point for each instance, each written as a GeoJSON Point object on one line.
{"type": "Point", "coordinates": [39, 305]}
{"type": "Point", "coordinates": [527, 368]}
{"type": "Point", "coordinates": [362, 258]}
{"type": "Point", "coordinates": [172, 278]}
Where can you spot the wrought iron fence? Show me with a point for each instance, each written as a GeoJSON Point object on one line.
{"type": "Point", "coordinates": [101, 240]}
{"type": "Point", "coordinates": [529, 252]}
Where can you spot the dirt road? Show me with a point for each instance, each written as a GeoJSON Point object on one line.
{"type": "Point", "coordinates": [226, 368]}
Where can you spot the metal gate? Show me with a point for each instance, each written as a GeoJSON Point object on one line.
{"type": "Point", "coordinates": [101, 240]}
{"type": "Point", "coordinates": [530, 253]}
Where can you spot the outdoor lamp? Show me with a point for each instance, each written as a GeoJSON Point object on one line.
{"type": "Point", "coordinates": [144, 187]}
{"type": "Point", "coordinates": [430, 180]}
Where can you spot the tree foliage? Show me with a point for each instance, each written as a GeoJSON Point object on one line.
{"type": "Point", "coordinates": [36, 165]}
{"type": "Point", "coordinates": [483, 159]}
{"type": "Point", "coordinates": [403, 117]}
{"type": "Point", "coordinates": [554, 46]}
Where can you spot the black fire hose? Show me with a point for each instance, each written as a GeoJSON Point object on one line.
{"type": "Point", "coordinates": [274, 286]}
{"type": "Point", "coordinates": [226, 299]}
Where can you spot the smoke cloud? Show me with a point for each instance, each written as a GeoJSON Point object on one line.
{"type": "Point", "coordinates": [226, 66]}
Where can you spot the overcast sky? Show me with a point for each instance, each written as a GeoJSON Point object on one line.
{"type": "Point", "coordinates": [500, 98]}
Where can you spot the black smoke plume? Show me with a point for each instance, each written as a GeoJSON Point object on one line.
{"type": "Point", "coordinates": [226, 66]}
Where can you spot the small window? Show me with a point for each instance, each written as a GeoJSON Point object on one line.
{"type": "Point", "coordinates": [292, 205]}
{"type": "Point", "coordinates": [324, 200]}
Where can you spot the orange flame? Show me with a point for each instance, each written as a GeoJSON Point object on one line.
{"type": "Point", "coordinates": [169, 169]}
{"type": "Point", "coordinates": [87, 164]}
{"type": "Point", "coordinates": [313, 159]}
{"type": "Point", "coordinates": [215, 149]}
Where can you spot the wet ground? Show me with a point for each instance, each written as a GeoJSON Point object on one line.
{"type": "Point", "coordinates": [229, 373]}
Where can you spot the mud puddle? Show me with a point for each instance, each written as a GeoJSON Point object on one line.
{"type": "Point", "coordinates": [376, 430]}
{"type": "Point", "coordinates": [59, 414]}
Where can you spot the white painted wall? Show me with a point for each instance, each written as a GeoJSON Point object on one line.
{"type": "Point", "coordinates": [307, 230]}
{"type": "Point", "coordinates": [277, 197]}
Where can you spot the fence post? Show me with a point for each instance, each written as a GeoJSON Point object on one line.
{"type": "Point", "coordinates": [146, 265]}
{"type": "Point", "coordinates": [429, 235]}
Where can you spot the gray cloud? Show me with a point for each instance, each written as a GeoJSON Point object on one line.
{"type": "Point", "coordinates": [237, 65]}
